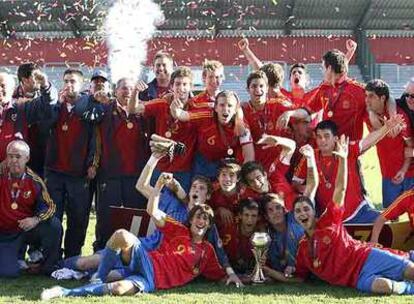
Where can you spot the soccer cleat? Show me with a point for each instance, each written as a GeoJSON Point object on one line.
{"type": "Point", "coordinates": [52, 293]}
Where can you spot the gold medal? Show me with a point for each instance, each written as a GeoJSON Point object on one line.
{"type": "Point", "coordinates": [65, 127]}
{"type": "Point", "coordinates": [328, 185]}
{"type": "Point", "coordinates": [230, 151]}
{"type": "Point", "coordinates": [130, 125]}
{"type": "Point", "coordinates": [14, 206]}
{"type": "Point", "coordinates": [330, 114]}
{"type": "Point", "coordinates": [316, 263]}
{"type": "Point", "coordinates": [168, 134]}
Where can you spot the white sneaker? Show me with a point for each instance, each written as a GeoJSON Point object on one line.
{"type": "Point", "coordinates": [52, 293]}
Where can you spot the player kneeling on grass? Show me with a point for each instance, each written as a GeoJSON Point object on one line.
{"type": "Point", "coordinates": [182, 256]}
{"type": "Point", "coordinates": [329, 252]}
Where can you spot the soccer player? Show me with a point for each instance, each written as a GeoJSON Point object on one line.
{"type": "Point", "coordinates": [182, 256]}
{"type": "Point", "coordinates": [220, 134]}
{"type": "Point", "coordinates": [406, 103]}
{"type": "Point", "coordinates": [236, 238]}
{"type": "Point", "coordinates": [26, 212]}
{"type": "Point", "coordinates": [283, 229]}
{"type": "Point", "coordinates": [396, 168]}
{"type": "Point", "coordinates": [226, 193]}
{"type": "Point", "coordinates": [16, 117]}
{"type": "Point", "coordinates": [70, 156]}
{"type": "Point", "coordinates": [403, 204]}
{"type": "Point", "coordinates": [259, 182]}
{"type": "Point", "coordinates": [357, 207]}
{"type": "Point", "coordinates": [121, 154]}
{"type": "Point", "coordinates": [262, 113]}
{"type": "Point", "coordinates": [330, 253]}
{"type": "Point", "coordinates": [213, 77]}
{"type": "Point", "coordinates": [167, 125]}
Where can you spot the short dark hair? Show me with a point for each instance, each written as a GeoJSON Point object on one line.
{"type": "Point", "coordinates": [301, 199]}
{"type": "Point", "coordinates": [205, 180]}
{"type": "Point", "coordinates": [205, 209]}
{"type": "Point", "coordinates": [274, 73]}
{"type": "Point", "coordinates": [336, 60]}
{"type": "Point", "coordinates": [297, 65]}
{"type": "Point", "coordinates": [248, 168]}
{"type": "Point", "coordinates": [256, 75]}
{"type": "Point", "coordinates": [163, 54]}
{"type": "Point", "coordinates": [379, 87]}
{"type": "Point", "coordinates": [327, 125]}
{"type": "Point", "coordinates": [71, 71]}
{"type": "Point", "coordinates": [249, 204]}
{"type": "Point", "coordinates": [25, 70]}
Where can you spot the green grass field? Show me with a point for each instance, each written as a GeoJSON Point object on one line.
{"type": "Point", "coordinates": [28, 288]}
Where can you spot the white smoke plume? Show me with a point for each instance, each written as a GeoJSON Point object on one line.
{"type": "Point", "coordinates": [128, 27]}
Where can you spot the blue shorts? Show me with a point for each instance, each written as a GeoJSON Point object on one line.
{"type": "Point", "coordinates": [140, 270]}
{"type": "Point", "coordinates": [391, 191]}
{"type": "Point", "coordinates": [365, 215]}
{"type": "Point", "coordinates": [381, 264]}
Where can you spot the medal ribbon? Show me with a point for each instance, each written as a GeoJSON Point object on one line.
{"type": "Point", "coordinates": [224, 138]}
{"type": "Point", "coordinates": [15, 194]}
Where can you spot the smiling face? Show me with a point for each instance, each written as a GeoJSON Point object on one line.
{"type": "Point", "coordinates": [305, 215]}
{"type": "Point", "coordinates": [325, 140]}
{"type": "Point", "coordinates": [213, 80]}
{"type": "Point", "coordinates": [257, 181]}
{"type": "Point", "coordinates": [227, 179]}
{"type": "Point", "coordinates": [226, 107]}
{"type": "Point", "coordinates": [16, 159]}
{"type": "Point", "coordinates": [124, 91]}
{"type": "Point", "coordinates": [163, 67]}
{"type": "Point", "coordinates": [182, 87]}
{"type": "Point", "coordinates": [258, 91]}
{"type": "Point", "coordinates": [199, 224]}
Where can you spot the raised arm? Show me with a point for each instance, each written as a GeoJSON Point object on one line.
{"type": "Point", "coordinates": [143, 184]}
{"type": "Point", "coordinates": [341, 181]}
{"type": "Point", "coordinates": [287, 144]}
{"type": "Point", "coordinates": [312, 176]}
{"type": "Point", "coordinates": [153, 201]}
{"type": "Point", "coordinates": [254, 62]}
{"type": "Point", "coordinates": [375, 136]}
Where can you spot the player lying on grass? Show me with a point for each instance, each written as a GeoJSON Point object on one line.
{"type": "Point", "coordinates": [183, 255]}
{"type": "Point", "coordinates": [330, 253]}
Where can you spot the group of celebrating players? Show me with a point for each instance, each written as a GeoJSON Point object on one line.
{"type": "Point", "coordinates": [210, 171]}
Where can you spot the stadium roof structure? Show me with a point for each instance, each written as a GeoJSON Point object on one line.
{"type": "Point", "coordinates": [78, 18]}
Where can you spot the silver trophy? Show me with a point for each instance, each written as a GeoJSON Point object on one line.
{"type": "Point", "coordinates": [260, 241]}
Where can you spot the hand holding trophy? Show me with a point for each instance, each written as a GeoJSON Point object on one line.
{"type": "Point", "coordinates": [260, 242]}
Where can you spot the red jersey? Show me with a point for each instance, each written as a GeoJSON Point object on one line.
{"type": "Point", "coordinates": [264, 122]}
{"type": "Point", "coordinates": [327, 169]}
{"type": "Point", "coordinates": [391, 150]}
{"type": "Point", "coordinates": [404, 203]}
{"type": "Point", "coordinates": [167, 126]}
{"type": "Point", "coordinates": [178, 260]}
{"type": "Point", "coordinates": [331, 253]}
{"type": "Point", "coordinates": [219, 199]}
{"type": "Point", "coordinates": [203, 101]}
{"type": "Point", "coordinates": [21, 198]}
{"type": "Point", "coordinates": [215, 141]}
{"type": "Point", "coordinates": [238, 248]}
{"type": "Point", "coordinates": [120, 143]}
{"type": "Point", "coordinates": [344, 104]}
{"type": "Point", "coordinates": [299, 101]}
{"type": "Point", "coordinates": [277, 184]}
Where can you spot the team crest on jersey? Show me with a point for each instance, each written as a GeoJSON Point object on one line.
{"type": "Point", "coordinates": [346, 104]}
{"type": "Point", "coordinates": [14, 117]}
{"type": "Point", "coordinates": [326, 239]}
{"type": "Point", "coordinates": [27, 194]}
{"type": "Point", "coordinates": [226, 239]}
{"type": "Point", "coordinates": [211, 140]}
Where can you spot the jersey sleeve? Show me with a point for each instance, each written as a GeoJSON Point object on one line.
{"type": "Point", "coordinates": [45, 207]}
{"type": "Point", "coordinates": [399, 206]}
{"type": "Point", "coordinates": [300, 172]}
{"type": "Point", "coordinates": [215, 240]}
